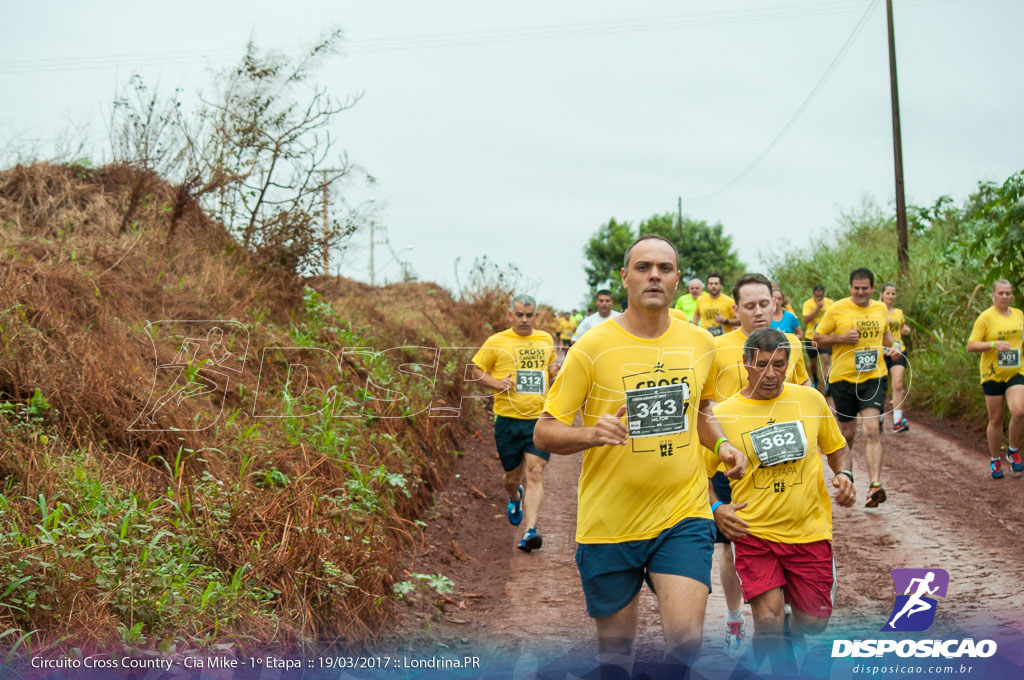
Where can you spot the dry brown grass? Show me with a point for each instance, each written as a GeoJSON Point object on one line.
{"type": "Point", "coordinates": [75, 297]}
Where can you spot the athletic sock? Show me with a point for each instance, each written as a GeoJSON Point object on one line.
{"type": "Point", "coordinates": [897, 416]}
{"type": "Point", "coordinates": [735, 616]}
{"type": "Point", "coordinates": [1010, 449]}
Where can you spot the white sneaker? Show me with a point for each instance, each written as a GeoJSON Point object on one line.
{"type": "Point", "coordinates": [735, 638]}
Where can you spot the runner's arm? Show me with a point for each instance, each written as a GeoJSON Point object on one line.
{"type": "Point", "coordinates": [554, 436]}
{"type": "Point", "coordinates": [840, 460]}
{"type": "Point", "coordinates": [710, 432]}
{"type": "Point", "coordinates": [725, 517]}
{"type": "Point", "coordinates": [979, 346]}
{"type": "Point", "coordinates": [487, 380]}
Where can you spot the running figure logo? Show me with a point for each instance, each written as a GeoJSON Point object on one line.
{"type": "Point", "coordinates": [914, 610]}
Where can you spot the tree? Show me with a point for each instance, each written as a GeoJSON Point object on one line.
{"type": "Point", "coordinates": [603, 254]}
{"type": "Point", "coordinates": [702, 248]}
{"type": "Point", "coordinates": [993, 229]}
{"type": "Point", "coordinates": [255, 155]}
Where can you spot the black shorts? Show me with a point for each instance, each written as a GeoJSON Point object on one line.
{"type": "Point", "coordinates": [813, 352]}
{"type": "Point", "coordinates": [514, 437]}
{"type": "Point", "coordinates": [902, 361]}
{"type": "Point", "coordinates": [997, 388]}
{"type": "Point", "coordinates": [852, 398]}
{"type": "Point", "coordinates": [723, 490]}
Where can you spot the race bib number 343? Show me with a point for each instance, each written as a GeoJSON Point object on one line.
{"type": "Point", "coordinates": [657, 410]}
{"type": "Point", "coordinates": [779, 443]}
{"type": "Point", "coordinates": [529, 382]}
{"type": "Point", "coordinates": [1009, 359]}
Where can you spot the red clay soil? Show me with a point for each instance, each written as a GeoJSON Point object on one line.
{"type": "Point", "coordinates": [943, 511]}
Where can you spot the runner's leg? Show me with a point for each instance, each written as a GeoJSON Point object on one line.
{"type": "Point", "coordinates": [535, 485]}
{"type": "Point", "coordinates": [615, 635]}
{"type": "Point", "coordinates": [994, 432]}
{"type": "Point", "coordinates": [1015, 400]}
{"type": "Point", "coordinates": [682, 602]}
{"type": "Point", "coordinates": [872, 443]}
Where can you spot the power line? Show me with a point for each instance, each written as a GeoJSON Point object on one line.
{"type": "Point", "coordinates": [800, 109]}
{"type": "Point", "coordinates": [800, 10]}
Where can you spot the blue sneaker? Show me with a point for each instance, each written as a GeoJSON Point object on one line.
{"type": "Point", "coordinates": [1014, 458]}
{"type": "Point", "coordinates": [996, 466]}
{"type": "Point", "coordinates": [514, 512]}
{"type": "Point", "coordinates": [531, 540]}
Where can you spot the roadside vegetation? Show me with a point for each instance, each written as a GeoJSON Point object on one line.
{"type": "Point", "coordinates": [268, 511]}
{"type": "Point", "coordinates": [956, 252]}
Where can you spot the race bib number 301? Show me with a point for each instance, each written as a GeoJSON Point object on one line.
{"type": "Point", "coordinates": [865, 360]}
{"type": "Point", "coordinates": [779, 443]}
{"type": "Point", "coordinates": [657, 410]}
{"type": "Point", "coordinates": [529, 382]}
{"type": "Point", "coordinates": [1009, 359]}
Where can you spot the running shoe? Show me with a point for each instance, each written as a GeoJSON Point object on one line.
{"type": "Point", "coordinates": [901, 426]}
{"type": "Point", "coordinates": [515, 509]}
{"type": "Point", "coordinates": [531, 540]}
{"type": "Point", "coordinates": [1014, 458]}
{"type": "Point", "coordinates": [735, 638]}
{"type": "Point", "coordinates": [876, 496]}
{"type": "Point", "coordinates": [996, 466]}
{"type": "Point", "coordinates": [881, 424]}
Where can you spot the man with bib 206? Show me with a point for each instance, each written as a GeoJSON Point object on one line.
{"type": "Point", "coordinates": [643, 510]}
{"type": "Point", "coordinates": [780, 518]}
{"type": "Point", "coordinates": [517, 364]}
{"type": "Point", "coordinates": [754, 306]}
{"type": "Point", "coordinates": [997, 338]}
{"type": "Point", "coordinates": [857, 329]}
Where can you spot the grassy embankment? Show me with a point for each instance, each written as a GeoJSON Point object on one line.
{"type": "Point", "coordinates": [207, 525]}
{"type": "Point", "coordinates": [952, 263]}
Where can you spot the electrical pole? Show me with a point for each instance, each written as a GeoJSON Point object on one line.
{"type": "Point", "coordinates": [371, 253]}
{"type": "Point", "coordinates": [897, 146]}
{"type": "Point", "coordinates": [326, 251]}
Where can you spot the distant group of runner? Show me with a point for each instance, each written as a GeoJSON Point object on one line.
{"type": "Point", "coordinates": [701, 421]}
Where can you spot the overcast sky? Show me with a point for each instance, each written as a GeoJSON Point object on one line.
{"type": "Point", "coordinates": [516, 130]}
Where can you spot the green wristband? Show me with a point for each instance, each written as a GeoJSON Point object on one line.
{"type": "Point", "coordinates": [719, 443]}
{"type": "Point", "coordinates": [992, 345]}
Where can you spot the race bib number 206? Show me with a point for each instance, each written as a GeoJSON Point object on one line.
{"type": "Point", "coordinates": [657, 410]}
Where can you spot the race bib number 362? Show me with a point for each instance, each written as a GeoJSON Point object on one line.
{"type": "Point", "coordinates": [529, 382]}
{"type": "Point", "coordinates": [657, 410]}
{"type": "Point", "coordinates": [1009, 359]}
{"type": "Point", "coordinates": [779, 443]}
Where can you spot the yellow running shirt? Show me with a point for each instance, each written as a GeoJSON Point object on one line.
{"type": "Point", "coordinates": [709, 307]}
{"type": "Point", "coordinates": [784, 488]}
{"type": "Point", "coordinates": [728, 374]}
{"type": "Point", "coordinates": [863, 361]}
{"type": "Point", "coordinates": [809, 305]}
{"type": "Point", "coordinates": [506, 353]}
{"type": "Point", "coordinates": [679, 314]}
{"type": "Point", "coordinates": [992, 325]}
{"type": "Point", "coordinates": [896, 321]}
{"type": "Point", "coordinates": [634, 492]}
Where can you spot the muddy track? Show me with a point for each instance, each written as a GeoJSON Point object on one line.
{"type": "Point", "coordinates": [943, 511]}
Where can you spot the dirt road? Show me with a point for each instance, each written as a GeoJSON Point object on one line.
{"type": "Point", "coordinates": [943, 511]}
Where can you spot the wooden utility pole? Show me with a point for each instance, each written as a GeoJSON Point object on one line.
{"type": "Point", "coordinates": [897, 147]}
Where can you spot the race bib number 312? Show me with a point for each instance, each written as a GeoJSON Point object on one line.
{"type": "Point", "coordinates": [529, 382]}
{"type": "Point", "coordinates": [657, 410]}
{"type": "Point", "coordinates": [1009, 359]}
{"type": "Point", "coordinates": [779, 443]}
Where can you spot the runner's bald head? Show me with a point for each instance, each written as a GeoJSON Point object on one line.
{"type": "Point", "coordinates": [629, 250]}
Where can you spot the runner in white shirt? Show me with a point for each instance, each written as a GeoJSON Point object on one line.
{"type": "Point", "coordinates": [604, 312]}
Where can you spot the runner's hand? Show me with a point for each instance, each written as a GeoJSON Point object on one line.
{"type": "Point", "coordinates": [719, 319]}
{"type": "Point", "coordinates": [893, 352]}
{"type": "Point", "coordinates": [610, 430]}
{"type": "Point", "coordinates": [1002, 346]}
{"type": "Point", "coordinates": [506, 383]}
{"type": "Point", "coordinates": [845, 494]}
{"type": "Point", "coordinates": [850, 337]}
{"type": "Point", "coordinates": [734, 458]}
{"type": "Point", "coordinates": [729, 523]}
